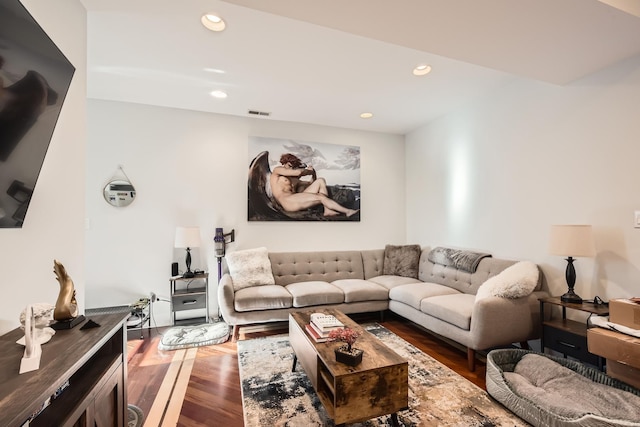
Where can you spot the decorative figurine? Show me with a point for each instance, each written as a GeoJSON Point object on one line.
{"type": "Point", "coordinates": [42, 316]}
{"type": "Point", "coordinates": [66, 305]}
{"type": "Point", "coordinates": [65, 312]}
{"type": "Point", "coordinates": [32, 350]}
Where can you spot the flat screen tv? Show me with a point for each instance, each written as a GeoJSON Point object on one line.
{"type": "Point", "coordinates": [34, 80]}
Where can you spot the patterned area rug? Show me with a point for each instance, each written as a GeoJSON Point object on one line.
{"type": "Point", "coordinates": [194, 336]}
{"type": "Point", "coordinates": [272, 395]}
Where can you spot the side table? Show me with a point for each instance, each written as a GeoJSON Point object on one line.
{"type": "Point", "coordinates": [191, 297]}
{"type": "Point", "coordinates": [569, 337]}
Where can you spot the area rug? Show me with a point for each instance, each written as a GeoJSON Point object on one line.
{"type": "Point", "coordinates": [272, 395]}
{"type": "Point", "coordinates": [194, 336]}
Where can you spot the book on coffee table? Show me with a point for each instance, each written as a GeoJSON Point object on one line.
{"type": "Point", "coordinates": [315, 335]}
{"type": "Point", "coordinates": [325, 322]}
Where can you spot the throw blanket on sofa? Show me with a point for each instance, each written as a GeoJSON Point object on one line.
{"type": "Point", "coordinates": [462, 260]}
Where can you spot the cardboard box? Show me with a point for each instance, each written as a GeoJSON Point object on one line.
{"type": "Point", "coordinates": [614, 345]}
{"type": "Point", "coordinates": [625, 313]}
{"type": "Point", "coordinates": [625, 373]}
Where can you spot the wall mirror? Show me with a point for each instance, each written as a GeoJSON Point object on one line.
{"type": "Point", "coordinates": [119, 191]}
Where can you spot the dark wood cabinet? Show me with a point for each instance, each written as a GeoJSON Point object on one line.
{"type": "Point", "coordinates": [567, 336]}
{"type": "Point", "coordinates": [81, 381]}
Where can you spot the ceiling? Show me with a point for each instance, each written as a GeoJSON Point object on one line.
{"type": "Point", "coordinates": [325, 62]}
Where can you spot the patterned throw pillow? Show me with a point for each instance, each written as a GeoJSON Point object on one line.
{"type": "Point", "coordinates": [250, 267]}
{"type": "Point", "coordinates": [401, 260]}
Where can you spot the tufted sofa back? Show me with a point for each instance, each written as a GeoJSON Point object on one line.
{"type": "Point", "coordinates": [373, 262]}
{"type": "Point", "coordinates": [462, 280]}
{"type": "Point", "coordinates": [292, 267]}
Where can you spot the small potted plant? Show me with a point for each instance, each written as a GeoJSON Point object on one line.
{"type": "Point", "coordinates": [346, 353]}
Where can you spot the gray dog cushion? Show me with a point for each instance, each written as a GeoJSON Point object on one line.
{"type": "Point", "coordinates": [569, 394]}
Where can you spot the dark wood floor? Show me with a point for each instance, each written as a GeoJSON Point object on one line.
{"type": "Point", "coordinates": [213, 395]}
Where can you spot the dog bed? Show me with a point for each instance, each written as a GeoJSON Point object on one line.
{"type": "Point", "coordinates": [180, 337]}
{"type": "Point", "coordinates": [551, 391]}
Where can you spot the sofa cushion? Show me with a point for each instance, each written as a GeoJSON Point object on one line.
{"type": "Point", "coordinates": [391, 282]}
{"type": "Point", "coordinates": [454, 309]}
{"type": "Point", "coordinates": [266, 297]}
{"type": "Point", "coordinates": [516, 281]}
{"type": "Point", "coordinates": [315, 292]}
{"type": "Point", "coordinates": [402, 260]}
{"type": "Point", "coordinates": [355, 290]}
{"type": "Point", "coordinates": [250, 267]}
{"type": "Point", "coordinates": [412, 294]}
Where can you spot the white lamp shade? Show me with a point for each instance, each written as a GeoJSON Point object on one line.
{"type": "Point", "coordinates": [572, 240]}
{"type": "Point", "coordinates": [187, 237]}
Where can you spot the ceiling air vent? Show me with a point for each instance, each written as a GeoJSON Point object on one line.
{"type": "Point", "coordinates": [259, 113]}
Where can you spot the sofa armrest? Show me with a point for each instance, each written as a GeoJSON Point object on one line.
{"type": "Point", "coordinates": [497, 321]}
{"type": "Point", "coordinates": [226, 298]}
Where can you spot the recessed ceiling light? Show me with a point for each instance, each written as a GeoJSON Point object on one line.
{"type": "Point", "coordinates": [366, 115]}
{"type": "Point", "coordinates": [422, 70]}
{"type": "Point", "coordinates": [219, 94]}
{"type": "Point", "coordinates": [213, 22]}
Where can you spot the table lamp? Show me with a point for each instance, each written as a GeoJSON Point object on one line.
{"type": "Point", "coordinates": [187, 237]}
{"type": "Point", "coordinates": [571, 241]}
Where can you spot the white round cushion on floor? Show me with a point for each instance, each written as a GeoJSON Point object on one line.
{"type": "Point", "coordinates": [194, 336]}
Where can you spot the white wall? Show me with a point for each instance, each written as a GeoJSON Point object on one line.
{"type": "Point", "coordinates": [190, 168]}
{"type": "Point", "coordinates": [53, 227]}
{"type": "Point", "coordinates": [495, 176]}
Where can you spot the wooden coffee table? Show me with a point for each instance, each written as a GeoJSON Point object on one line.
{"type": "Point", "coordinates": [377, 386]}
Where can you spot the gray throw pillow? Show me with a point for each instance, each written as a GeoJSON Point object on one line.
{"type": "Point", "coordinates": [401, 260]}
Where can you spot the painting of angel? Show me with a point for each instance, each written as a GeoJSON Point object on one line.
{"type": "Point", "coordinates": [293, 180]}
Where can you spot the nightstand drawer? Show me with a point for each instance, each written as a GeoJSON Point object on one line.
{"type": "Point", "coordinates": [189, 302]}
{"type": "Point", "coordinates": [568, 343]}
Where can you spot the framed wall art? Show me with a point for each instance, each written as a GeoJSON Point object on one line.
{"type": "Point", "coordinates": [292, 180]}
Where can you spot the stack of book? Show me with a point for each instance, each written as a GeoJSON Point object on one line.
{"type": "Point", "coordinates": [321, 326]}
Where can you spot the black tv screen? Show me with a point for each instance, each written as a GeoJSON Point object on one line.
{"type": "Point", "coordinates": [34, 80]}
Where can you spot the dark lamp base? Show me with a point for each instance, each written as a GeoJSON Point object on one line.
{"type": "Point", "coordinates": [189, 275]}
{"type": "Point", "coordinates": [571, 296]}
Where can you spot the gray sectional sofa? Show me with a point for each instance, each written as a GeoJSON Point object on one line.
{"type": "Point", "coordinates": [441, 298]}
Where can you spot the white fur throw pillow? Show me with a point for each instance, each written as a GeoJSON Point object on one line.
{"type": "Point", "coordinates": [250, 267]}
{"type": "Point", "coordinates": [516, 281]}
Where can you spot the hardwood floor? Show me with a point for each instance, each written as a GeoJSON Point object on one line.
{"type": "Point", "coordinates": [213, 395]}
